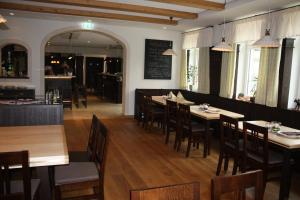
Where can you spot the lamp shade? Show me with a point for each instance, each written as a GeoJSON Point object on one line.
{"type": "Point", "coordinates": [223, 46]}
{"type": "Point", "coordinates": [169, 52]}
{"type": "Point", "coordinates": [267, 41]}
{"type": "Point", "coordinates": [2, 19]}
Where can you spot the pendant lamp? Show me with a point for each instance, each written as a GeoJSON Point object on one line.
{"type": "Point", "coordinates": [223, 46]}
{"type": "Point", "coordinates": [2, 19]}
{"type": "Point", "coordinates": [170, 51]}
{"type": "Point", "coordinates": [267, 41]}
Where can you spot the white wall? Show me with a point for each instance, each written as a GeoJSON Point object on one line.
{"type": "Point", "coordinates": [85, 50]}
{"type": "Point", "coordinates": [36, 32]}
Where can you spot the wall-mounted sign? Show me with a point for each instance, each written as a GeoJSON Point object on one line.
{"type": "Point", "coordinates": [157, 66]}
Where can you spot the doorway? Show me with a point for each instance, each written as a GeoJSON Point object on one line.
{"type": "Point", "coordinates": [93, 63]}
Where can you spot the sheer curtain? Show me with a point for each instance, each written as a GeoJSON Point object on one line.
{"type": "Point", "coordinates": [183, 70]}
{"type": "Point", "coordinates": [227, 74]}
{"type": "Point", "coordinates": [268, 77]}
{"type": "Point", "coordinates": [203, 71]}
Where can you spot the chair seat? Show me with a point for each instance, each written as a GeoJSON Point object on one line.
{"type": "Point", "coordinates": [197, 127]}
{"type": "Point", "coordinates": [76, 172]}
{"type": "Point", "coordinates": [275, 158]}
{"type": "Point", "coordinates": [78, 156]}
{"type": "Point", "coordinates": [232, 146]}
{"type": "Point", "coordinates": [17, 186]}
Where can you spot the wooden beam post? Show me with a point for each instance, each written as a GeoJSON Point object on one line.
{"type": "Point", "coordinates": [203, 4]}
{"type": "Point", "coordinates": [73, 12]}
{"type": "Point", "coordinates": [124, 7]}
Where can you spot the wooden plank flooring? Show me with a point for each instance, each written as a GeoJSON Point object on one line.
{"type": "Point", "coordinates": [139, 159]}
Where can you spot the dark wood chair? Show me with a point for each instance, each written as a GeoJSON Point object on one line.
{"type": "Point", "coordinates": [79, 176]}
{"type": "Point", "coordinates": [231, 143]}
{"type": "Point", "coordinates": [193, 130]}
{"type": "Point", "coordinates": [80, 95]}
{"type": "Point", "coordinates": [235, 187]}
{"type": "Point", "coordinates": [153, 113]}
{"type": "Point", "coordinates": [25, 189]}
{"type": "Point", "coordinates": [257, 154]}
{"type": "Point", "coordinates": [188, 191]}
{"type": "Point", "coordinates": [141, 116]}
{"type": "Point", "coordinates": [89, 154]}
{"type": "Point", "coordinates": [171, 119]}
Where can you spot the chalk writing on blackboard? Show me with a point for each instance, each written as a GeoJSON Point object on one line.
{"type": "Point", "coordinates": [157, 66]}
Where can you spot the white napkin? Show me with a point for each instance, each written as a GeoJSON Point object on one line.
{"type": "Point", "coordinates": [180, 96]}
{"type": "Point", "coordinates": [172, 95]}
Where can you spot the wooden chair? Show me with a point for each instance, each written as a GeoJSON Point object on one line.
{"type": "Point", "coordinates": [194, 131]}
{"type": "Point", "coordinates": [171, 119]}
{"type": "Point", "coordinates": [188, 191]}
{"type": "Point", "coordinates": [141, 116]}
{"type": "Point", "coordinates": [80, 95]}
{"type": "Point", "coordinates": [237, 185]}
{"type": "Point", "coordinates": [257, 154]}
{"type": "Point", "coordinates": [231, 146]}
{"type": "Point", "coordinates": [81, 176]}
{"type": "Point", "coordinates": [89, 154]}
{"type": "Point", "coordinates": [25, 189]}
{"type": "Point", "coordinates": [153, 113]}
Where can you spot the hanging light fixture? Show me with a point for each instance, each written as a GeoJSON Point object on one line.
{"type": "Point", "coordinates": [223, 46]}
{"type": "Point", "coordinates": [2, 19]}
{"type": "Point", "coordinates": [267, 41]}
{"type": "Point", "coordinates": [169, 51]}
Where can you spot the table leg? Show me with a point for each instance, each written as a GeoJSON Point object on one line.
{"type": "Point", "coordinates": [285, 181]}
{"type": "Point", "coordinates": [207, 139]}
{"type": "Point", "coordinates": [45, 191]}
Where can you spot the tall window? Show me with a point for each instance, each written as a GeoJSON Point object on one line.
{"type": "Point", "coordinates": [248, 70]}
{"type": "Point", "coordinates": [192, 71]}
{"type": "Point", "coordinates": [253, 69]}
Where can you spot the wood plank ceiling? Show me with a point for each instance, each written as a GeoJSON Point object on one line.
{"type": "Point", "coordinates": [164, 16]}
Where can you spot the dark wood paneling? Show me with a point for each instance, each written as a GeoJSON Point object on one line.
{"type": "Point", "coordinates": [17, 94]}
{"type": "Point", "coordinates": [215, 71]}
{"type": "Point", "coordinates": [285, 72]}
{"type": "Point", "coordinates": [25, 115]}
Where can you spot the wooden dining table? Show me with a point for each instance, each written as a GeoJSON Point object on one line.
{"type": "Point", "coordinates": [208, 116]}
{"type": "Point", "coordinates": [288, 145]}
{"type": "Point", "coordinates": [47, 148]}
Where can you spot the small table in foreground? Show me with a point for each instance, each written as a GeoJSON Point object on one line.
{"type": "Point", "coordinates": [288, 146]}
{"type": "Point", "coordinates": [47, 147]}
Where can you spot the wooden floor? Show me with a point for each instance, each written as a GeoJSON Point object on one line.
{"type": "Point", "coordinates": [140, 159]}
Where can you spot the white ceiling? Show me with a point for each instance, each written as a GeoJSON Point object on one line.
{"type": "Point", "coordinates": [84, 39]}
{"type": "Point", "coordinates": [235, 9]}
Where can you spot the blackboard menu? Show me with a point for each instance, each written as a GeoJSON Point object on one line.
{"type": "Point", "coordinates": [157, 66]}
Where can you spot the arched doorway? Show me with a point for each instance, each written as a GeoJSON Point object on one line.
{"type": "Point", "coordinates": [108, 60]}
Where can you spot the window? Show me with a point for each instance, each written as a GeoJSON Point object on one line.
{"type": "Point", "coordinates": [14, 61]}
{"type": "Point", "coordinates": [248, 69]}
{"type": "Point", "coordinates": [253, 69]}
{"type": "Point", "coordinates": [192, 69]}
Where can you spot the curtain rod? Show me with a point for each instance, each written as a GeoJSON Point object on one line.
{"type": "Point", "coordinates": [198, 29]}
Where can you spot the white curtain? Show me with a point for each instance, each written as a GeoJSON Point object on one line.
{"type": "Point", "coordinates": [183, 70]}
{"type": "Point", "coordinates": [268, 77]}
{"type": "Point", "coordinates": [198, 39]}
{"type": "Point", "coordinates": [227, 74]}
{"type": "Point", "coordinates": [283, 24]}
{"type": "Point", "coordinates": [203, 71]}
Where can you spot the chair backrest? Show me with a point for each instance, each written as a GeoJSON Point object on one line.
{"type": "Point", "coordinates": [256, 142]}
{"type": "Point", "coordinates": [237, 185]}
{"type": "Point", "coordinates": [92, 140]}
{"type": "Point", "coordinates": [171, 110]}
{"type": "Point", "coordinates": [188, 191]}
{"type": "Point", "coordinates": [229, 131]}
{"type": "Point", "coordinates": [101, 147]}
{"type": "Point", "coordinates": [7, 160]}
{"type": "Point", "coordinates": [184, 115]}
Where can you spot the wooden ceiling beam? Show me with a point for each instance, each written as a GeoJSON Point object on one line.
{"type": "Point", "coordinates": [124, 7]}
{"type": "Point", "coordinates": [203, 4]}
{"type": "Point", "coordinates": [85, 13]}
